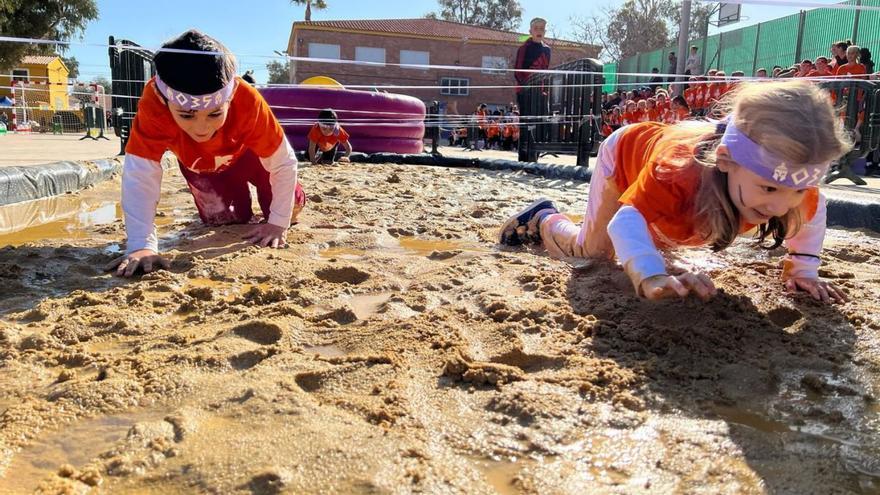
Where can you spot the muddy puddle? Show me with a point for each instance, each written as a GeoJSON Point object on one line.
{"type": "Point", "coordinates": [72, 444]}
{"type": "Point", "coordinates": [395, 349]}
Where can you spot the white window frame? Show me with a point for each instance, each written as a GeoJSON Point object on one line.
{"type": "Point", "coordinates": [27, 76]}
{"type": "Point", "coordinates": [491, 64]}
{"type": "Point", "coordinates": [325, 46]}
{"type": "Point", "coordinates": [360, 54]}
{"type": "Point", "coordinates": [460, 88]}
{"type": "Point", "coordinates": [415, 54]}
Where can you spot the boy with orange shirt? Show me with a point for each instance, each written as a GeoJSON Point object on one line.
{"type": "Point", "coordinates": [325, 137]}
{"type": "Point", "coordinates": [225, 137]}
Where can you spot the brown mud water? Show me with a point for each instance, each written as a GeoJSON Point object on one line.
{"type": "Point", "coordinates": [392, 347]}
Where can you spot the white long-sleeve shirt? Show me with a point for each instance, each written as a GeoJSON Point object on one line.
{"type": "Point", "coordinates": [640, 258]}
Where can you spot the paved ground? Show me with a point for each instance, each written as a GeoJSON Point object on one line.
{"type": "Point", "coordinates": [34, 149]}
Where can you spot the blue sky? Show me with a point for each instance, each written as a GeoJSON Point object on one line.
{"type": "Point", "coordinates": [254, 29]}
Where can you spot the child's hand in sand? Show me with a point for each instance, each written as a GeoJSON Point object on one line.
{"type": "Point", "coordinates": [667, 286]}
{"type": "Point", "coordinates": [820, 290]}
{"type": "Point", "coordinates": [344, 159]}
{"type": "Point", "coordinates": [146, 259]}
{"type": "Point", "coordinates": [267, 235]}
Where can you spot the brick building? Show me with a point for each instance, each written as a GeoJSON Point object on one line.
{"type": "Point", "coordinates": [419, 42]}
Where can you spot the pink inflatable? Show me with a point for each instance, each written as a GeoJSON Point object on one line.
{"type": "Point", "coordinates": [377, 122]}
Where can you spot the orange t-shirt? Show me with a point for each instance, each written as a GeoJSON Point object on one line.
{"type": "Point", "coordinates": [250, 125]}
{"type": "Point", "coordinates": [702, 96]}
{"type": "Point", "coordinates": [326, 143]}
{"type": "Point", "coordinates": [816, 73]}
{"type": "Point", "coordinates": [851, 70]}
{"type": "Point", "coordinates": [690, 96]}
{"type": "Point", "coordinates": [654, 114]}
{"type": "Point", "coordinates": [666, 201]}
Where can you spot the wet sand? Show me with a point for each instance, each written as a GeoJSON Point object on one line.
{"type": "Point", "coordinates": [393, 348]}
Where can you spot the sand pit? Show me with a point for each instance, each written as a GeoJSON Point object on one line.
{"type": "Point", "coordinates": [392, 348]}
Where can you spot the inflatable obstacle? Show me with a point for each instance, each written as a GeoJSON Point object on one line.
{"type": "Point", "coordinates": [376, 122]}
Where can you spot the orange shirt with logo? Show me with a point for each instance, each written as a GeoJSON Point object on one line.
{"type": "Point", "coordinates": [250, 125]}
{"type": "Point", "coordinates": [666, 200]}
{"type": "Point", "coordinates": [326, 143]}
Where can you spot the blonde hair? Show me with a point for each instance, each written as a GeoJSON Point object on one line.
{"type": "Point", "coordinates": [857, 50]}
{"type": "Point", "coordinates": [794, 120]}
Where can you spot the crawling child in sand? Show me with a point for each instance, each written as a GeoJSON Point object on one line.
{"type": "Point", "coordinates": [224, 136]}
{"type": "Point", "coordinates": [701, 183]}
{"type": "Point", "coordinates": [325, 137]}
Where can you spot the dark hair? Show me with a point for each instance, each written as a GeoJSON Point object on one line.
{"type": "Point", "coordinates": [864, 54]}
{"type": "Point", "coordinates": [843, 45]}
{"type": "Point", "coordinates": [681, 101]}
{"type": "Point", "coordinates": [327, 116]}
{"type": "Point", "coordinates": [195, 73]}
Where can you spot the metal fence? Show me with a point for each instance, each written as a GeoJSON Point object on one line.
{"type": "Point", "coordinates": [131, 67]}
{"type": "Point", "coordinates": [562, 112]}
{"type": "Point", "coordinates": [782, 42]}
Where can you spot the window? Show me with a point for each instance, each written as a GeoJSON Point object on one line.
{"type": "Point", "coordinates": [496, 63]}
{"type": "Point", "coordinates": [369, 54]}
{"type": "Point", "coordinates": [21, 75]}
{"type": "Point", "coordinates": [414, 57]}
{"type": "Point", "coordinates": [454, 86]}
{"type": "Point", "coordinates": [323, 50]}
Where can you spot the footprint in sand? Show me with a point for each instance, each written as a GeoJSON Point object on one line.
{"type": "Point", "coordinates": [261, 332]}
{"type": "Point", "coordinates": [344, 274]}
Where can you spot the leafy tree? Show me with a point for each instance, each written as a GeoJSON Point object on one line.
{"type": "Point", "coordinates": [72, 65]}
{"type": "Point", "coordinates": [638, 26]}
{"type": "Point", "coordinates": [103, 81]}
{"type": "Point", "coordinates": [279, 73]}
{"type": "Point", "coordinates": [43, 19]}
{"type": "Point", "coordinates": [495, 14]}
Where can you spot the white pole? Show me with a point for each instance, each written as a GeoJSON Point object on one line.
{"type": "Point", "coordinates": [683, 51]}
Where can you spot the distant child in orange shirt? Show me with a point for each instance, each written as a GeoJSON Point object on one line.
{"type": "Point", "coordinates": [822, 68]}
{"type": "Point", "coordinates": [650, 190]}
{"type": "Point", "coordinates": [852, 67]}
{"type": "Point", "coordinates": [680, 110]}
{"type": "Point", "coordinates": [615, 120]}
{"type": "Point", "coordinates": [652, 111]}
{"type": "Point", "coordinates": [325, 137]}
{"type": "Point", "coordinates": [630, 116]}
{"type": "Point", "coordinates": [225, 138]}
{"type": "Point", "coordinates": [641, 111]}
{"type": "Point", "coordinates": [690, 94]}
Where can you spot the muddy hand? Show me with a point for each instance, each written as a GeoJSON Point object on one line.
{"type": "Point", "coordinates": [267, 235]}
{"type": "Point", "coordinates": [146, 259]}
{"type": "Point", "coordinates": [820, 290]}
{"type": "Point", "coordinates": [344, 159]}
{"type": "Point", "coordinates": [667, 286]}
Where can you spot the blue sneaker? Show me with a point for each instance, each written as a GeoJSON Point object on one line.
{"type": "Point", "coordinates": [524, 227]}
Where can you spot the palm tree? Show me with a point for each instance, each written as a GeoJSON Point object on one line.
{"type": "Point", "coordinates": [319, 4]}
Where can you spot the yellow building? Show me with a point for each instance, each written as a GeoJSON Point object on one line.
{"type": "Point", "coordinates": [47, 70]}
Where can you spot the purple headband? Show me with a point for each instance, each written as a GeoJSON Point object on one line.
{"type": "Point", "coordinates": [752, 156]}
{"type": "Point", "coordinates": [198, 102]}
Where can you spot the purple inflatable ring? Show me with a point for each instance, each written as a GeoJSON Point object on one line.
{"type": "Point", "coordinates": [376, 122]}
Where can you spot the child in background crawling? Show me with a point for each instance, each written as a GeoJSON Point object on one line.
{"type": "Point", "coordinates": [325, 137]}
